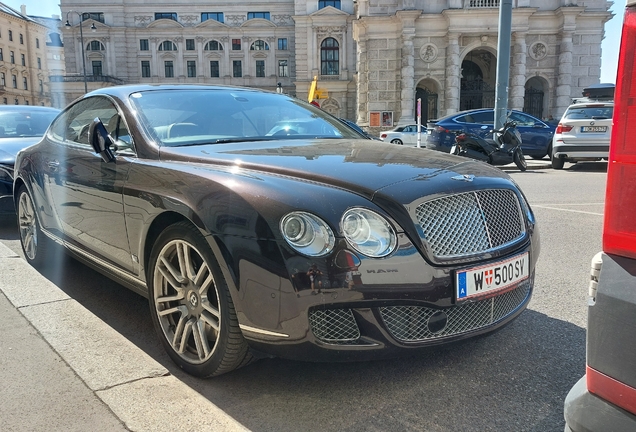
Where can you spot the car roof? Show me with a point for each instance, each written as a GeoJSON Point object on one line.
{"type": "Point", "coordinates": [476, 110]}
{"type": "Point", "coordinates": [591, 103]}
{"type": "Point", "coordinates": [123, 91]}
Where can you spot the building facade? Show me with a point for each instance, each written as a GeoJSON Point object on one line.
{"type": "Point", "coordinates": [373, 59]}
{"type": "Point", "coordinates": [24, 65]}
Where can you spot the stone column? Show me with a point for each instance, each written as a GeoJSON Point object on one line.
{"type": "Point", "coordinates": [518, 76]}
{"type": "Point", "coordinates": [408, 78]}
{"type": "Point", "coordinates": [362, 86]}
{"type": "Point", "coordinates": [564, 80]}
{"type": "Point", "coordinates": [453, 80]}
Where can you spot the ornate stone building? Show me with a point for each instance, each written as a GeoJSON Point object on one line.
{"type": "Point", "coordinates": [373, 58]}
{"type": "Point", "coordinates": [24, 62]}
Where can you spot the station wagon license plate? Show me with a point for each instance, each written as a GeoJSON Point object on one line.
{"type": "Point", "coordinates": [488, 280]}
{"type": "Point", "coordinates": [593, 128]}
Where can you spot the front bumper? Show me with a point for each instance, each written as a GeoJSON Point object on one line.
{"type": "Point", "coordinates": [376, 329]}
{"type": "Point", "coordinates": [585, 412]}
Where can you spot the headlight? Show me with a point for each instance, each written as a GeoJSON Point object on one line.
{"type": "Point", "coordinates": [308, 234]}
{"type": "Point", "coordinates": [368, 232]}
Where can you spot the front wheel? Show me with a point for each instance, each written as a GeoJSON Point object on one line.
{"type": "Point", "coordinates": [519, 159]}
{"type": "Point", "coordinates": [191, 306]}
{"type": "Point", "coordinates": [396, 141]}
{"type": "Point", "coordinates": [34, 243]}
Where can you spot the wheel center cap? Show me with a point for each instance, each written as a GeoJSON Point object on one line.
{"type": "Point", "coordinates": [194, 300]}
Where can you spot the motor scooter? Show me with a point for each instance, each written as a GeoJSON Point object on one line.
{"type": "Point", "coordinates": [505, 148]}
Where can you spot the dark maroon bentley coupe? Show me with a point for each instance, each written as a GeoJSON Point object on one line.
{"type": "Point", "coordinates": [257, 224]}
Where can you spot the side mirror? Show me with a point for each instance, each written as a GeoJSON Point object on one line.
{"type": "Point", "coordinates": [100, 140]}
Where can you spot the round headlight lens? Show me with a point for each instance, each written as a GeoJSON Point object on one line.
{"type": "Point", "coordinates": [295, 228]}
{"type": "Point", "coordinates": [368, 232]}
{"type": "Point", "coordinates": [308, 234]}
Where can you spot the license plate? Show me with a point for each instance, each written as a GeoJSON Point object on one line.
{"type": "Point", "coordinates": [488, 280]}
{"type": "Point", "coordinates": [593, 128]}
{"type": "Point", "coordinates": [452, 150]}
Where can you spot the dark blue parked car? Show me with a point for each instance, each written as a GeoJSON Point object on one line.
{"type": "Point", "coordinates": [536, 134]}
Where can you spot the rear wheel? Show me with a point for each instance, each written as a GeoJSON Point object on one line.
{"type": "Point", "coordinates": [191, 306]}
{"type": "Point", "coordinates": [396, 141]}
{"type": "Point", "coordinates": [519, 159]}
{"type": "Point", "coordinates": [34, 243]}
{"type": "Point", "coordinates": [557, 162]}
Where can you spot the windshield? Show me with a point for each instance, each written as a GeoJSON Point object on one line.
{"type": "Point", "coordinates": [25, 123]}
{"type": "Point", "coordinates": [209, 116]}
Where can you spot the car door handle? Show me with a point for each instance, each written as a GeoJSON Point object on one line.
{"type": "Point", "coordinates": [53, 164]}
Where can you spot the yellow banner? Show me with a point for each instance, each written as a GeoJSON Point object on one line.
{"type": "Point", "coordinates": [312, 89]}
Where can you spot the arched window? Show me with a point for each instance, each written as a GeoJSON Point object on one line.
{"type": "Point", "coordinates": [213, 46]}
{"type": "Point", "coordinates": [167, 46]}
{"type": "Point", "coordinates": [259, 45]}
{"type": "Point", "coordinates": [329, 57]}
{"type": "Point", "coordinates": [95, 46]}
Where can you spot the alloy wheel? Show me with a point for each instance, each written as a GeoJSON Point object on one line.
{"type": "Point", "coordinates": [28, 226]}
{"type": "Point", "coordinates": [187, 301]}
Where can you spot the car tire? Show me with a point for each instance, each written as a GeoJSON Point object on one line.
{"type": "Point", "coordinates": [557, 162]}
{"type": "Point", "coordinates": [538, 143]}
{"type": "Point", "coordinates": [190, 304]}
{"type": "Point", "coordinates": [396, 141]}
{"type": "Point", "coordinates": [519, 159]}
{"type": "Point", "coordinates": [35, 244]}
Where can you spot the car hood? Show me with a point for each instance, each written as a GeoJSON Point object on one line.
{"type": "Point", "coordinates": [362, 166]}
{"type": "Point", "coordinates": [9, 148]}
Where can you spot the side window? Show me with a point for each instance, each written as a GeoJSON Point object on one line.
{"type": "Point", "coordinates": [73, 125]}
{"type": "Point", "coordinates": [522, 119]}
{"type": "Point", "coordinates": [465, 119]}
{"type": "Point", "coordinates": [484, 117]}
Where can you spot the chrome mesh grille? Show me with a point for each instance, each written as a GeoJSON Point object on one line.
{"type": "Point", "coordinates": [334, 326]}
{"type": "Point", "coordinates": [410, 323]}
{"type": "Point", "coordinates": [470, 223]}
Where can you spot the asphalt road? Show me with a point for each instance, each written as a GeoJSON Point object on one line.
{"type": "Point", "coordinates": [513, 380]}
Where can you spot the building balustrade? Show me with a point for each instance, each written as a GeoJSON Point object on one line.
{"type": "Point", "coordinates": [477, 4]}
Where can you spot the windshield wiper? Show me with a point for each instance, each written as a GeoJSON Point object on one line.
{"type": "Point", "coordinates": [242, 139]}
{"type": "Point", "coordinates": [222, 141]}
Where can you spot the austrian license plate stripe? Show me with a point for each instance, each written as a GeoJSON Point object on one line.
{"type": "Point", "coordinates": [487, 280]}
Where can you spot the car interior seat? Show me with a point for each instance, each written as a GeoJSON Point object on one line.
{"type": "Point", "coordinates": [22, 129]}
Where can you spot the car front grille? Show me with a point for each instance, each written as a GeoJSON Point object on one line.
{"type": "Point", "coordinates": [412, 323]}
{"type": "Point", "coordinates": [334, 326]}
{"type": "Point", "coordinates": [470, 223]}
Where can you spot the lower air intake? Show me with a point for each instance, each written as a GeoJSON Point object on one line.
{"type": "Point", "coordinates": [412, 323]}
{"type": "Point", "coordinates": [334, 326]}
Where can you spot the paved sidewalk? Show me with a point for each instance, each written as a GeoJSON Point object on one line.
{"type": "Point", "coordinates": [64, 369]}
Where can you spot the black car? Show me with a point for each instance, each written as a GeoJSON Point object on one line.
{"type": "Point", "coordinates": [20, 126]}
{"type": "Point", "coordinates": [605, 398]}
{"type": "Point", "coordinates": [256, 223]}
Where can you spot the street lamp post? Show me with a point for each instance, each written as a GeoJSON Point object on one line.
{"type": "Point", "coordinates": [68, 25]}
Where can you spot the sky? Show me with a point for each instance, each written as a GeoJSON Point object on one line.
{"type": "Point", "coordinates": [609, 47]}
